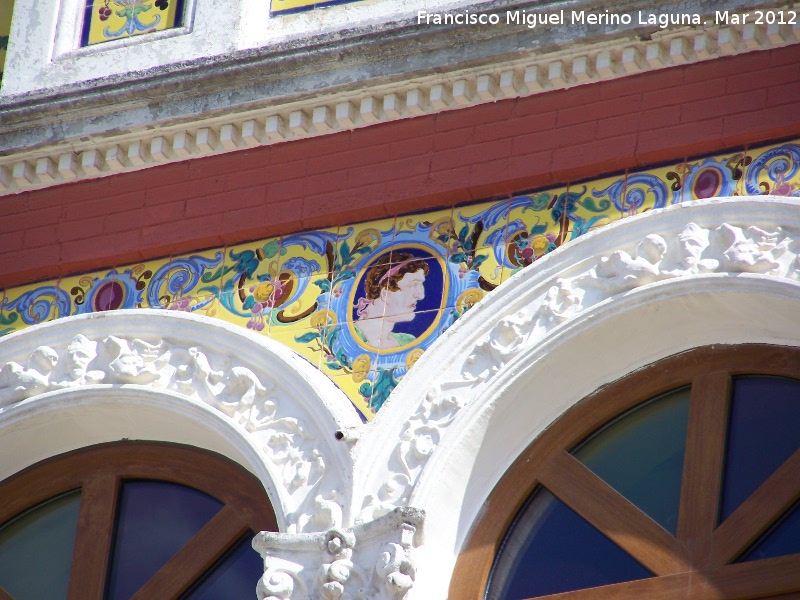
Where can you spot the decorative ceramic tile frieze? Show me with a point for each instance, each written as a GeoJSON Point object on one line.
{"type": "Point", "coordinates": [6, 8]}
{"type": "Point", "coordinates": [282, 7]}
{"type": "Point", "coordinates": [107, 20]}
{"type": "Point", "coordinates": [363, 302]}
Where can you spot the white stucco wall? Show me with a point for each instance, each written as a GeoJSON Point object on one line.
{"type": "Point", "coordinates": [44, 48]}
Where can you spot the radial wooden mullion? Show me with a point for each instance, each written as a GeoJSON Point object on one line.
{"type": "Point", "coordinates": [93, 537]}
{"type": "Point", "coordinates": [613, 515]}
{"type": "Point", "coordinates": [669, 587]}
{"type": "Point", "coordinates": [196, 557]}
{"type": "Point", "coordinates": [703, 462]}
{"type": "Point", "coordinates": [758, 512]}
{"type": "Point", "coordinates": [756, 579]}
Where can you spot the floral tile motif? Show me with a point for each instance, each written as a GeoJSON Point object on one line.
{"type": "Point", "coordinates": [106, 290]}
{"type": "Point", "coordinates": [222, 309]}
{"type": "Point", "coordinates": [282, 7]}
{"type": "Point", "coordinates": [187, 283]}
{"type": "Point", "coordinates": [716, 176]}
{"type": "Point", "coordinates": [31, 305]}
{"type": "Point", "coordinates": [536, 226]}
{"type": "Point", "coordinates": [773, 170]}
{"type": "Point", "coordinates": [634, 193]}
{"type": "Point", "coordinates": [302, 338]}
{"type": "Point", "coordinates": [6, 8]}
{"type": "Point", "coordinates": [348, 255]}
{"type": "Point", "coordinates": [363, 302]}
{"type": "Point", "coordinates": [106, 20]}
{"type": "Point", "coordinates": [597, 203]}
{"type": "Point", "coordinates": [433, 231]}
{"type": "Point", "coordinates": [474, 234]}
{"type": "Point", "coordinates": [301, 300]}
{"type": "Point", "coordinates": [251, 283]}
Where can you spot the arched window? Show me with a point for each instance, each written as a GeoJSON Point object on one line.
{"type": "Point", "coordinates": [680, 481]}
{"type": "Point", "coordinates": [132, 520]}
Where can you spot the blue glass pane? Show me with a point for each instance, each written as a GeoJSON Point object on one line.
{"type": "Point", "coordinates": [782, 540]}
{"type": "Point", "coordinates": [155, 519]}
{"type": "Point", "coordinates": [36, 549]}
{"type": "Point", "coordinates": [235, 576]}
{"type": "Point", "coordinates": [763, 431]}
{"type": "Point", "coordinates": [641, 456]}
{"type": "Point", "coordinates": [551, 549]}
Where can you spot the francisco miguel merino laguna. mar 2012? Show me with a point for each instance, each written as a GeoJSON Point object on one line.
{"type": "Point", "coordinates": [557, 18]}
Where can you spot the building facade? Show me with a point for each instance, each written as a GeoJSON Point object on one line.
{"type": "Point", "coordinates": [383, 256]}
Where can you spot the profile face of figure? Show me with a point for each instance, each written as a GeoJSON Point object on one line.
{"type": "Point", "coordinates": [401, 304]}
{"type": "Point", "coordinates": [392, 291]}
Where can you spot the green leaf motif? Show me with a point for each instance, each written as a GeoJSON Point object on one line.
{"type": "Point", "coordinates": [8, 320]}
{"type": "Point", "coordinates": [323, 284]}
{"type": "Point", "coordinates": [538, 229]}
{"type": "Point", "coordinates": [384, 385]}
{"type": "Point", "coordinates": [271, 249]}
{"type": "Point", "coordinates": [331, 335]}
{"type": "Point", "coordinates": [342, 357]}
{"type": "Point", "coordinates": [209, 277]}
{"type": "Point", "coordinates": [307, 337]}
{"type": "Point", "coordinates": [345, 253]}
{"type": "Point", "coordinates": [246, 262]}
{"type": "Point", "coordinates": [540, 202]}
{"type": "Point", "coordinates": [345, 275]}
{"type": "Point", "coordinates": [588, 204]}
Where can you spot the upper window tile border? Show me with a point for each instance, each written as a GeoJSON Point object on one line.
{"type": "Point", "coordinates": [296, 6]}
{"type": "Point", "coordinates": [69, 34]}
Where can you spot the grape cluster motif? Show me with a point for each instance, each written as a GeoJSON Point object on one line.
{"type": "Point", "coordinates": [104, 12]}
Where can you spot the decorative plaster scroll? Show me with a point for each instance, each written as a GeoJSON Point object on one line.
{"type": "Point", "coordinates": [258, 403]}
{"type": "Point", "coordinates": [431, 94]}
{"type": "Point", "coordinates": [689, 250]}
{"type": "Point", "coordinates": [421, 434]}
{"type": "Point", "coordinates": [371, 561]}
{"type": "Point", "coordinates": [693, 250]}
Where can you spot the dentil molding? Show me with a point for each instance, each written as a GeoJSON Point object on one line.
{"type": "Point", "coordinates": [528, 73]}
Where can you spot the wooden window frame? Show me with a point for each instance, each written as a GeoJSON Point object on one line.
{"type": "Point", "coordinates": [99, 470]}
{"type": "Point", "coordinates": [692, 565]}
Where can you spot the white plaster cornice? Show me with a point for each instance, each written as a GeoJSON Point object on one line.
{"type": "Point", "coordinates": [525, 73]}
{"type": "Point", "coordinates": [102, 370]}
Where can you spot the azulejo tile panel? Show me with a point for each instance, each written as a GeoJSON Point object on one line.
{"type": "Point", "coordinates": [107, 20]}
{"type": "Point", "coordinates": [363, 302]}
{"type": "Point", "coordinates": [773, 170]}
{"type": "Point", "coordinates": [6, 9]}
{"type": "Point", "coordinates": [282, 7]}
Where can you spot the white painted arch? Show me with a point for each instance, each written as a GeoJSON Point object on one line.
{"type": "Point", "coordinates": [720, 271]}
{"type": "Point", "coordinates": [160, 376]}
